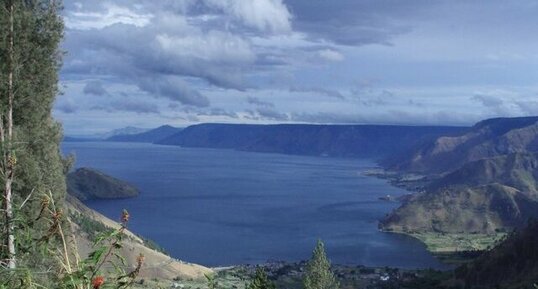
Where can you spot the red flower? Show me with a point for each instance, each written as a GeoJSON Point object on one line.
{"type": "Point", "coordinates": [98, 281]}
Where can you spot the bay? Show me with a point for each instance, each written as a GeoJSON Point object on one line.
{"type": "Point", "coordinates": [225, 207]}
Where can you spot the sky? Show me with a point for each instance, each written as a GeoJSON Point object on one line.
{"type": "Point", "coordinates": [180, 62]}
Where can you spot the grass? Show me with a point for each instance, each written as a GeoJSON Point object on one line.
{"type": "Point", "coordinates": [447, 243]}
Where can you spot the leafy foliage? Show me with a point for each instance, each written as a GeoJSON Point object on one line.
{"type": "Point", "coordinates": [38, 169]}
{"type": "Point", "coordinates": [260, 280]}
{"type": "Point", "coordinates": [318, 271]}
{"type": "Point", "coordinates": [46, 255]}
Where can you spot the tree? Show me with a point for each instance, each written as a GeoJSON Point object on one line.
{"type": "Point", "coordinates": [318, 273]}
{"type": "Point", "coordinates": [9, 161]}
{"type": "Point", "coordinates": [211, 281]}
{"type": "Point", "coordinates": [260, 280]}
{"type": "Point", "coordinates": [30, 160]}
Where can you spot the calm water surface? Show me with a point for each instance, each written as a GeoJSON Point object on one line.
{"type": "Point", "coordinates": [223, 207]}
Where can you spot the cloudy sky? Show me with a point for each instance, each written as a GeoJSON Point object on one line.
{"type": "Point", "coordinates": [179, 62]}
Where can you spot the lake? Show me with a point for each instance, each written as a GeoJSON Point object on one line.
{"type": "Point", "coordinates": [225, 207]}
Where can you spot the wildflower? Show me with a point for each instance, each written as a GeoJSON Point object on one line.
{"type": "Point", "coordinates": [133, 274]}
{"type": "Point", "coordinates": [124, 216]}
{"type": "Point", "coordinates": [12, 161]}
{"type": "Point", "coordinates": [98, 281]}
{"type": "Point", "coordinates": [45, 201]}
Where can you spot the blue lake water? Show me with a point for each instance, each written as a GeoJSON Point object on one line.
{"type": "Point", "coordinates": [224, 207]}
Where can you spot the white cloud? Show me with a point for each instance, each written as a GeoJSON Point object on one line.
{"type": "Point", "coordinates": [214, 46]}
{"type": "Point", "coordinates": [112, 14]}
{"type": "Point", "coordinates": [331, 55]}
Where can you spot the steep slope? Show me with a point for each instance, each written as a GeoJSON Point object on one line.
{"type": "Point", "coordinates": [87, 183]}
{"type": "Point", "coordinates": [483, 196]}
{"type": "Point", "coordinates": [321, 140]}
{"type": "Point", "coordinates": [484, 209]}
{"type": "Point", "coordinates": [156, 264]}
{"type": "Point", "coordinates": [150, 136]}
{"type": "Point", "coordinates": [486, 139]}
{"type": "Point", "coordinates": [512, 264]}
{"type": "Point", "coordinates": [519, 170]}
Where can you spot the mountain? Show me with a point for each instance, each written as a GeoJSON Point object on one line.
{"type": "Point", "coordinates": [518, 170]}
{"type": "Point", "coordinates": [101, 136]}
{"type": "Point", "coordinates": [87, 183]}
{"type": "Point", "coordinates": [510, 265]}
{"type": "Point", "coordinates": [151, 136]}
{"type": "Point", "coordinates": [484, 196]}
{"type": "Point", "coordinates": [320, 140]}
{"type": "Point", "coordinates": [129, 130]}
{"type": "Point", "coordinates": [486, 139]}
{"type": "Point", "coordinates": [486, 209]}
{"type": "Point", "coordinates": [79, 139]}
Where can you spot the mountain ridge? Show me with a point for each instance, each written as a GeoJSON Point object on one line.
{"type": "Point", "coordinates": [149, 136]}
{"type": "Point", "coordinates": [488, 138]}
{"type": "Point", "coordinates": [309, 139]}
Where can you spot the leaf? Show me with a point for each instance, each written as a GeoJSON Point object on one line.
{"type": "Point", "coordinates": [96, 255]}
{"type": "Point", "coordinates": [121, 258]}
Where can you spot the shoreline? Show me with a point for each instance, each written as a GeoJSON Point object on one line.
{"type": "Point", "coordinates": [441, 245]}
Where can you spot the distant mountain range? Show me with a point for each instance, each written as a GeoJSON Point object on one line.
{"type": "Point", "coordinates": [149, 136]}
{"type": "Point", "coordinates": [103, 136]}
{"type": "Point", "coordinates": [375, 141]}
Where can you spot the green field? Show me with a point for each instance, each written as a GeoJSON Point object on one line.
{"type": "Point", "coordinates": [446, 243]}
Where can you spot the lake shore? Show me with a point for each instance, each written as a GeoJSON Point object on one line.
{"type": "Point", "coordinates": [449, 247]}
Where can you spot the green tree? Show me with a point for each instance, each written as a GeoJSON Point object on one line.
{"type": "Point", "coordinates": [260, 280]}
{"type": "Point", "coordinates": [31, 167]}
{"type": "Point", "coordinates": [211, 281]}
{"type": "Point", "coordinates": [318, 273]}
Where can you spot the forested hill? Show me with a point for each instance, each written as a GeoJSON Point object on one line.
{"type": "Point", "coordinates": [88, 183]}
{"type": "Point", "coordinates": [374, 141]}
{"type": "Point", "coordinates": [512, 264]}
